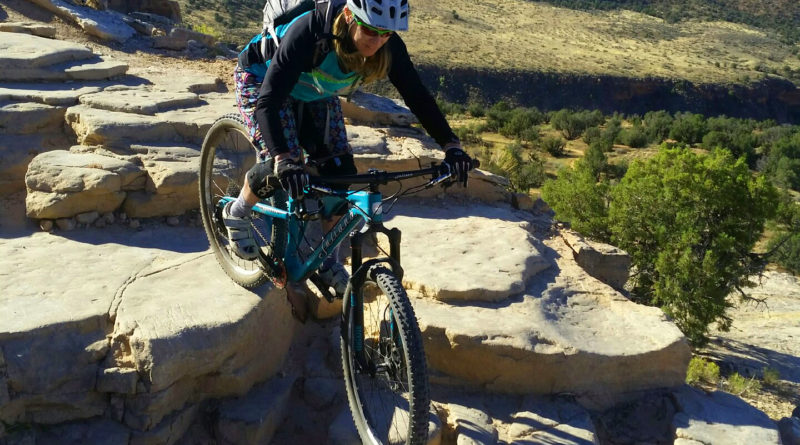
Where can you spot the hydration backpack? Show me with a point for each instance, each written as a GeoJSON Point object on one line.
{"type": "Point", "coordinates": [281, 12]}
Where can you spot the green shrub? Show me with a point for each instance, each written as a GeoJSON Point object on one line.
{"type": "Point", "coordinates": [688, 128]}
{"type": "Point", "coordinates": [771, 376]}
{"type": "Point", "coordinates": [577, 197]}
{"type": "Point", "coordinates": [689, 222]}
{"type": "Point", "coordinates": [553, 145]}
{"type": "Point", "coordinates": [657, 125]}
{"type": "Point", "coordinates": [595, 158]}
{"type": "Point", "coordinates": [449, 108]}
{"type": "Point", "coordinates": [470, 134]}
{"type": "Point", "coordinates": [476, 110]}
{"type": "Point", "coordinates": [702, 370]}
{"type": "Point", "coordinates": [787, 255]}
{"type": "Point", "coordinates": [634, 137]}
{"type": "Point", "coordinates": [521, 121]}
{"type": "Point", "coordinates": [740, 385]}
{"type": "Point", "coordinates": [572, 124]}
{"type": "Point", "coordinates": [523, 168]}
{"type": "Point", "coordinates": [592, 134]}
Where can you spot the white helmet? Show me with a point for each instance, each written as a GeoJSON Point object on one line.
{"type": "Point", "coordinates": [385, 14]}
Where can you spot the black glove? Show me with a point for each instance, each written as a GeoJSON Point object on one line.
{"type": "Point", "coordinates": [458, 163]}
{"type": "Point", "coordinates": [292, 176]}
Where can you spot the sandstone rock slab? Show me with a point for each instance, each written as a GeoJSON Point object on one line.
{"type": "Point", "coordinates": [131, 336]}
{"type": "Point", "coordinates": [58, 326]}
{"type": "Point", "coordinates": [376, 110]}
{"type": "Point", "coordinates": [110, 128]}
{"type": "Point", "coordinates": [540, 420]}
{"type": "Point", "coordinates": [105, 25]}
{"type": "Point", "coordinates": [27, 117]}
{"type": "Point", "coordinates": [21, 51]}
{"type": "Point", "coordinates": [475, 252]}
{"type": "Point", "coordinates": [572, 332]}
{"type": "Point", "coordinates": [720, 418]}
{"type": "Point", "coordinates": [184, 351]}
{"type": "Point", "coordinates": [36, 29]}
{"type": "Point", "coordinates": [254, 417]}
{"type": "Point", "coordinates": [140, 102]}
{"type": "Point", "coordinates": [764, 335]}
{"type": "Point", "coordinates": [49, 94]}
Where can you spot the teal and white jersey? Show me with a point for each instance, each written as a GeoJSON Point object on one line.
{"type": "Point", "coordinates": [325, 80]}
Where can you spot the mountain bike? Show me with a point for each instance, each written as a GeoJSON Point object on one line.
{"type": "Point", "coordinates": [382, 350]}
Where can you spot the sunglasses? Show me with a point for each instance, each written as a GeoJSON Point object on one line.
{"type": "Point", "coordinates": [371, 30]}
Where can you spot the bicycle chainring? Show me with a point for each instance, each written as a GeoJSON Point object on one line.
{"type": "Point", "coordinates": [272, 267]}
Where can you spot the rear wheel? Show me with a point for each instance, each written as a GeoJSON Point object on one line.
{"type": "Point", "coordinates": [388, 395]}
{"type": "Point", "coordinates": [226, 156]}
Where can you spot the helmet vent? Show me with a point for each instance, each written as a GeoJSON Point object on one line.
{"type": "Point", "coordinates": [403, 14]}
{"type": "Point", "coordinates": [357, 3]}
{"type": "Point", "coordinates": [380, 2]}
{"type": "Point", "coordinates": [403, 3]}
{"type": "Point", "coordinates": [376, 10]}
{"type": "Point", "coordinates": [391, 12]}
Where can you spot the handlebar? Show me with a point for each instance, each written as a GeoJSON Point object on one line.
{"type": "Point", "coordinates": [379, 177]}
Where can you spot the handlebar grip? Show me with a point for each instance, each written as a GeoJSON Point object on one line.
{"type": "Point", "coordinates": [476, 163]}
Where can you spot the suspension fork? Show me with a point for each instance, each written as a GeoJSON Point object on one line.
{"type": "Point", "coordinates": [355, 291]}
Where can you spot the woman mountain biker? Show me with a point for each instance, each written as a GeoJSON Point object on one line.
{"type": "Point", "coordinates": [289, 101]}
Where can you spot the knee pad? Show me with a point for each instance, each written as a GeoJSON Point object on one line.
{"type": "Point", "coordinates": [261, 179]}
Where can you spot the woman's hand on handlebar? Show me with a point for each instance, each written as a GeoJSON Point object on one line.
{"type": "Point", "coordinates": [292, 175]}
{"type": "Point", "coordinates": [458, 164]}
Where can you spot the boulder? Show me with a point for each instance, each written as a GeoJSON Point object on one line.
{"type": "Point", "coordinates": [371, 109]}
{"type": "Point", "coordinates": [607, 263]}
{"type": "Point", "coordinates": [397, 149]}
{"type": "Point", "coordinates": [62, 184]}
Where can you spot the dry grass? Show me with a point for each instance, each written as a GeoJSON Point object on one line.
{"type": "Point", "coordinates": [524, 35]}
{"type": "Point", "coordinates": [531, 36]}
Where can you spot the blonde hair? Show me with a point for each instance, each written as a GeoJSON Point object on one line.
{"type": "Point", "coordinates": [371, 68]}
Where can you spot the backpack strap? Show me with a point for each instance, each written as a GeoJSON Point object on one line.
{"type": "Point", "coordinates": [325, 10]}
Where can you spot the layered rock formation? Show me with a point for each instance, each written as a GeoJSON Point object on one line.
{"type": "Point", "coordinates": [133, 334]}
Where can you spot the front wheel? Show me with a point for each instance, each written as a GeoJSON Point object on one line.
{"type": "Point", "coordinates": [388, 393]}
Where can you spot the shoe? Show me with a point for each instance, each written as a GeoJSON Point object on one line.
{"type": "Point", "coordinates": [240, 234]}
{"type": "Point", "coordinates": [336, 277]}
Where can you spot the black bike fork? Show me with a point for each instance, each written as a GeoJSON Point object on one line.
{"type": "Point", "coordinates": [355, 288]}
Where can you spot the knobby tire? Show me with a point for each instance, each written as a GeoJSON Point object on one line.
{"type": "Point", "coordinates": [404, 390]}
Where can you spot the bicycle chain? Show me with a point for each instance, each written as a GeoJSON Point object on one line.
{"type": "Point", "coordinates": [275, 270]}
